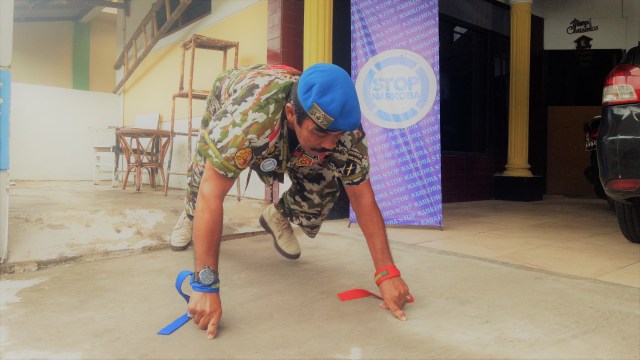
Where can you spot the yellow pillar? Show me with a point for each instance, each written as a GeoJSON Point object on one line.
{"type": "Point", "coordinates": [518, 150]}
{"type": "Point", "coordinates": [318, 32]}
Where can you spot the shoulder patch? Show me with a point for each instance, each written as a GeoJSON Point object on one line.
{"type": "Point", "coordinates": [243, 158]}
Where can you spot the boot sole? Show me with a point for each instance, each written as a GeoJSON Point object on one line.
{"type": "Point", "coordinates": [180, 248]}
{"type": "Point", "coordinates": [264, 225]}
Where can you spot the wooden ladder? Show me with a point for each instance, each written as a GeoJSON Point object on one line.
{"type": "Point", "coordinates": [189, 93]}
{"type": "Point", "coordinates": [148, 33]}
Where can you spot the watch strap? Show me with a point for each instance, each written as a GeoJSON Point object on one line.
{"type": "Point", "coordinates": [199, 287]}
{"type": "Point", "coordinates": [196, 275]}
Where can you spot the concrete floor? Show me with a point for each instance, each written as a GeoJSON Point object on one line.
{"type": "Point", "coordinates": [53, 222]}
{"type": "Point", "coordinates": [545, 280]}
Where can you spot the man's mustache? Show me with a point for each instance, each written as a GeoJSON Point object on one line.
{"type": "Point", "coordinates": [322, 151]}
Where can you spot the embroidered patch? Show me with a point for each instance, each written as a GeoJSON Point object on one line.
{"type": "Point", "coordinates": [268, 165]}
{"type": "Point", "coordinates": [320, 117]}
{"type": "Point", "coordinates": [350, 167]}
{"type": "Point", "coordinates": [356, 156]}
{"type": "Point", "coordinates": [270, 150]}
{"type": "Point", "coordinates": [243, 158]}
{"type": "Point", "coordinates": [354, 161]}
{"type": "Point", "coordinates": [304, 160]}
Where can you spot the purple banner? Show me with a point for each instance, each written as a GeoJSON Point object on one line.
{"type": "Point", "coordinates": [394, 62]}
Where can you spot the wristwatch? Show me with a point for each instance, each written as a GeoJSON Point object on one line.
{"type": "Point", "coordinates": [206, 276]}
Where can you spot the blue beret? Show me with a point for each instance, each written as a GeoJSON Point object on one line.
{"type": "Point", "coordinates": [328, 95]}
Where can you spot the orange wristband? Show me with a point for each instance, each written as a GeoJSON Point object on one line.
{"type": "Point", "coordinates": [385, 273]}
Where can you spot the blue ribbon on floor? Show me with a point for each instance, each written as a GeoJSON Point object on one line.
{"type": "Point", "coordinates": [182, 276]}
{"type": "Point", "coordinates": [177, 323]}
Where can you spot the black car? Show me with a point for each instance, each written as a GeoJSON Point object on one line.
{"type": "Point", "coordinates": [618, 144]}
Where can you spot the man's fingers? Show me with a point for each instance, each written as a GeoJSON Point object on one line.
{"type": "Point", "coordinates": [212, 330]}
{"type": "Point", "coordinates": [395, 294]}
{"type": "Point", "coordinates": [207, 312]}
{"type": "Point", "coordinates": [197, 317]}
{"type": "Point", "coordinates": [399, 314]}
{"type": "Point", "coordinates": [212, 326]}
{"type": "Point", "coordinates": [395, 310]}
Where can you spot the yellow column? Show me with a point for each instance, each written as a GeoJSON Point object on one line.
{"type": "Point", "coordinates": [518, 151]}
{"type": "Point", "coordinates": [318, 32]}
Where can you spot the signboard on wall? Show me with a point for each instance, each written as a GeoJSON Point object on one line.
{"type": "Point", "coordinates": [395, 66]}
{"type": "Point", "coordinates": [561, 33]}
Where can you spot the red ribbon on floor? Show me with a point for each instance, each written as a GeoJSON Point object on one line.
{"type": "Point", "coordinates": [354, 294]}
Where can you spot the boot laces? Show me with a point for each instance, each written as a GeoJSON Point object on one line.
{"type": "Point", "coordinates": [181, 220]}
{"type": "Point", "coordinates": [282, 222]}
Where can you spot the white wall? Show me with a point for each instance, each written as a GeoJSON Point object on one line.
{"type": "Point", "coordinates": [617, 22]}
{"type": "Point", "coordinates": [6, 35]}
{"type": "Point", "coordinates": [631, 10]}
{"type": "Point", "coordinates": [54, 129]}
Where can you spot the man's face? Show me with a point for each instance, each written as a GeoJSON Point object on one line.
{"type": "Point", "coordinates": [316, 140]}
{"type": "Point", "coordinates": [313, 139]}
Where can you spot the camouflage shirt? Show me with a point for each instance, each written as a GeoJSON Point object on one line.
{"type": "Point", "coordinates": [245, 127]}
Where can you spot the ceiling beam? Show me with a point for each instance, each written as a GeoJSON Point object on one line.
{"type": "Point", "coordinates": [91, 14]}
{"type": "Point", "coordinates": [52, 18]}
{"type": "Point", "coordinates": [86, 10]}
{"type": "Point", "coordinates": [105, 3]}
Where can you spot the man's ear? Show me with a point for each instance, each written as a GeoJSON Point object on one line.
{"type": "Point", "coordinates": [289, 111]}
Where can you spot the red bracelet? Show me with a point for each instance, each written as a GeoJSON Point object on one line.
{"type": "Point", "coordinates": [385, 273]}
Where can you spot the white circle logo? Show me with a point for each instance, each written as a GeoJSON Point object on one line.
{"type": "Point", "coordinates": [396, 88]}
{"type": "Point", "coordinates": [268, 165]}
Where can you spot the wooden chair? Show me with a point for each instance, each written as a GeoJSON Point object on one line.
{"type": "Point", "coordinates": [144, 149]}
{"type": "Point", "coordinates": [143, 121]}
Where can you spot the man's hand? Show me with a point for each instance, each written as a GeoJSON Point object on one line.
{"type": "Point", "coordinates": [395, 294]}
{"type": "Point", "coordinates": [206, 310]}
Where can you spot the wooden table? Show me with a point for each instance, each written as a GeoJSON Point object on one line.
{"type": "Point", "coordinates": [144, 149]}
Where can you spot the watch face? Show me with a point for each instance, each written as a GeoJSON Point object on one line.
{"type": "Point", "coordinates": [207, 276]}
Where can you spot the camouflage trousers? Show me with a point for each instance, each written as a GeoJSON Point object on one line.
{"type": "Point", "coordinates": [314, 189]}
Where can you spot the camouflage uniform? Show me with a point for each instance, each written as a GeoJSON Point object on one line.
{"type": "Point", "coordinates": [245, 127]}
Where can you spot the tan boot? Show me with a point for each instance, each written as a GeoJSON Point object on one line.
{"type": "Point", "coordinates": [283, 237]}
{"type": "Point", "coordinates": [181, 234]}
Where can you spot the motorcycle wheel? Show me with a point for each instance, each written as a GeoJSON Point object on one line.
{"type": "Point", "coordinates": [629, 220]}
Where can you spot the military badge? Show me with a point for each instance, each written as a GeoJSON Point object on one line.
{"type": "Point", "coordinates": [268, 165]}
{"type": "Point", "coordinates": [354, 161]}
{"type": "Point", "coordinates": [320, 117]}
{"type": "Point", "coordinates": [350, 167]}
{"type": "Point", "coordinates": [243, 158]}
{"type": "Point", "coordinates": [304, 160]}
